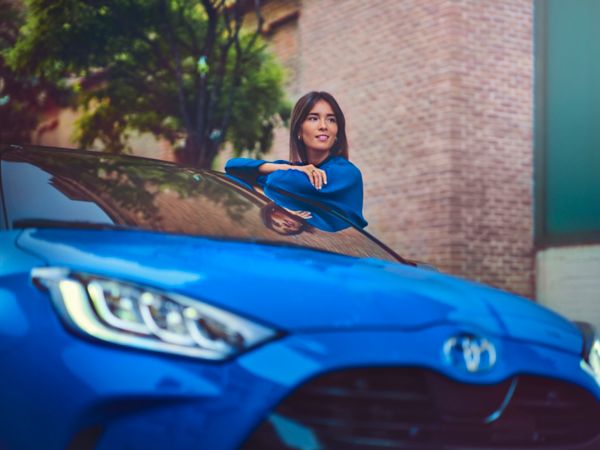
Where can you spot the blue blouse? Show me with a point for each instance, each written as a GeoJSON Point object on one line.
{"type": "Point", "coordinates": [343, 191]}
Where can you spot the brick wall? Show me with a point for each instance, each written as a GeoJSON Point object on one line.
{"type": "Point", "coordinates": [438, 99]}
{"type": "Point", "coordinates": [494, 147]}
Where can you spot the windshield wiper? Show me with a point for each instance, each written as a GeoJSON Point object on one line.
{"type": "Point", "coordinates": [55, 223]}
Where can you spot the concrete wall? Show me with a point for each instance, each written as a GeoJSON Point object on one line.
{"type": "Point", "coordinates": [568, 281]}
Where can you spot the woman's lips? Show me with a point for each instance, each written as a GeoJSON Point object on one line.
{"type": "Point", "coordinates": [322, 137]}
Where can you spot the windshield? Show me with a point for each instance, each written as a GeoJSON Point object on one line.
{"type": "Point", "coordinates": [52, 187]}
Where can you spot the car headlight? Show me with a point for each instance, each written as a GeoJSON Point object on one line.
{"type": "Point", "coordinates": [593, 357]}
{"type": "Point", "coordinates": [138, 316]}
{"type": "Point", "coordinates": [591, 348]}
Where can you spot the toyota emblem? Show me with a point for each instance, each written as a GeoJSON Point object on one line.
{"type": "Point", "coordinates": [470, 352]}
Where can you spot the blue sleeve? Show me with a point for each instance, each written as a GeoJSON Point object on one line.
{"type": "Point", "coordinates": [246, 169]}
{"type": "Point", "coordinates": [343, 191]}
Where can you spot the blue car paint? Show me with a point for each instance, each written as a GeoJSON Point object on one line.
{"type": "Point", "coordinates": [231, 419]}
{"type": "Point", "coordinates": [359, 293]}
{"type": "Point", "coordinates": [362, 313]}
{"type": "Point", "coordinates": [167, 402]}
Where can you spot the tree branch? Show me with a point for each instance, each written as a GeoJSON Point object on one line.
{"type": "Point", "coordinates": [207, 51]}
{"type": "Point", "coordinates": [185, 114]}
{"type": "Point", "coordinates": [240, 55]}
{"type": "Point", "coordinates": [259, 23]}
{"type": "Point", "coordinates": [232, 36]}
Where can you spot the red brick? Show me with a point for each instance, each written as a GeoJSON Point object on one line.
{"type": "Point", "coordinates": [438, 100]}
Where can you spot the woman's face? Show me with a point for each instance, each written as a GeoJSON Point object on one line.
{"type": "Point", "coordinates": [319, 129]}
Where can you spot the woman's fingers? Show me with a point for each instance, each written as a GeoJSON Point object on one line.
{"type": "Point", "coordinates": [321, 178]}
{"type": "Point", "coordinates": [303, 214]}
{"type": "Point", "coordinates": [309, 170]}
{"type": "Point", "coordinates": [316, 176]}
{"type": "Point", "coordinates": [316, 179]}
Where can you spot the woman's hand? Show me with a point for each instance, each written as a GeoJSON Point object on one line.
{"type": "Point", "coordinates": [302, 214]}
{"type": "Point", "coordinates": [316, 176]}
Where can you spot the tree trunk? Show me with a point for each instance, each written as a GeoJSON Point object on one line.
{"type": "Point", "coordinates": [190, 154]}
{"type": "Point", "coordinates": [206, 156]}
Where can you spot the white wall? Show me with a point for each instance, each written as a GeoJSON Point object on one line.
{"type": "Point", "coordinates": [568, 281]}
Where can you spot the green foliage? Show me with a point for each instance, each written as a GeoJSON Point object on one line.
{"type": "Point", "coordinates": [166, 67]}
{"type": "Point", "coordinates": [22, 95]}
{"type": "Point", "coordinates": [259, 95]}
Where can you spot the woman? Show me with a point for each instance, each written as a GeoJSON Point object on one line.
{"type": "Point", "coordinates": [318, 167]}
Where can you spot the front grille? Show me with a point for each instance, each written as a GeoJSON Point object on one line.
{"type": "Point", "coordinates": [413, 408]}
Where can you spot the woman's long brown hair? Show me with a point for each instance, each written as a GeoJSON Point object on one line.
{"type": "Point", "coordinates": [301, 110]}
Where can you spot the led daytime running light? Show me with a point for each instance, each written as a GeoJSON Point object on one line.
{"type": "Point", "coordinates": [136, 316]}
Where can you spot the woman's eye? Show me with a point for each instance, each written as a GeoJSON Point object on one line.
{"type": "Point", "coordinates": [332, 120]}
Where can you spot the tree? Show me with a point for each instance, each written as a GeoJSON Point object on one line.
{"type": "Point", "coordinates": [22, 97]}
{"type": "Point", "coordinates": [183, 70]}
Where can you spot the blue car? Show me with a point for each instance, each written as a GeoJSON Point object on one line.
{"type": "Point", "coordinates": [148, 306]}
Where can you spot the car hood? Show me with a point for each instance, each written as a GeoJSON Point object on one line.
{"type": "Point", "coordinates": [298, 289]}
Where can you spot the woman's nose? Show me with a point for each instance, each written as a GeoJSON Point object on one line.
{"type": "Point", "coordinates": [322, 124]}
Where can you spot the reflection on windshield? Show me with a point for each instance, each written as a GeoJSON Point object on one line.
{"type": "Point", "coordinates": [157, 196]}
{"type": "Point", "coordinates": [308, 211]}
{"type": "Point", "coordinates": [52, 202]}
{"type": "Point", "coordinates": [284, 221]}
